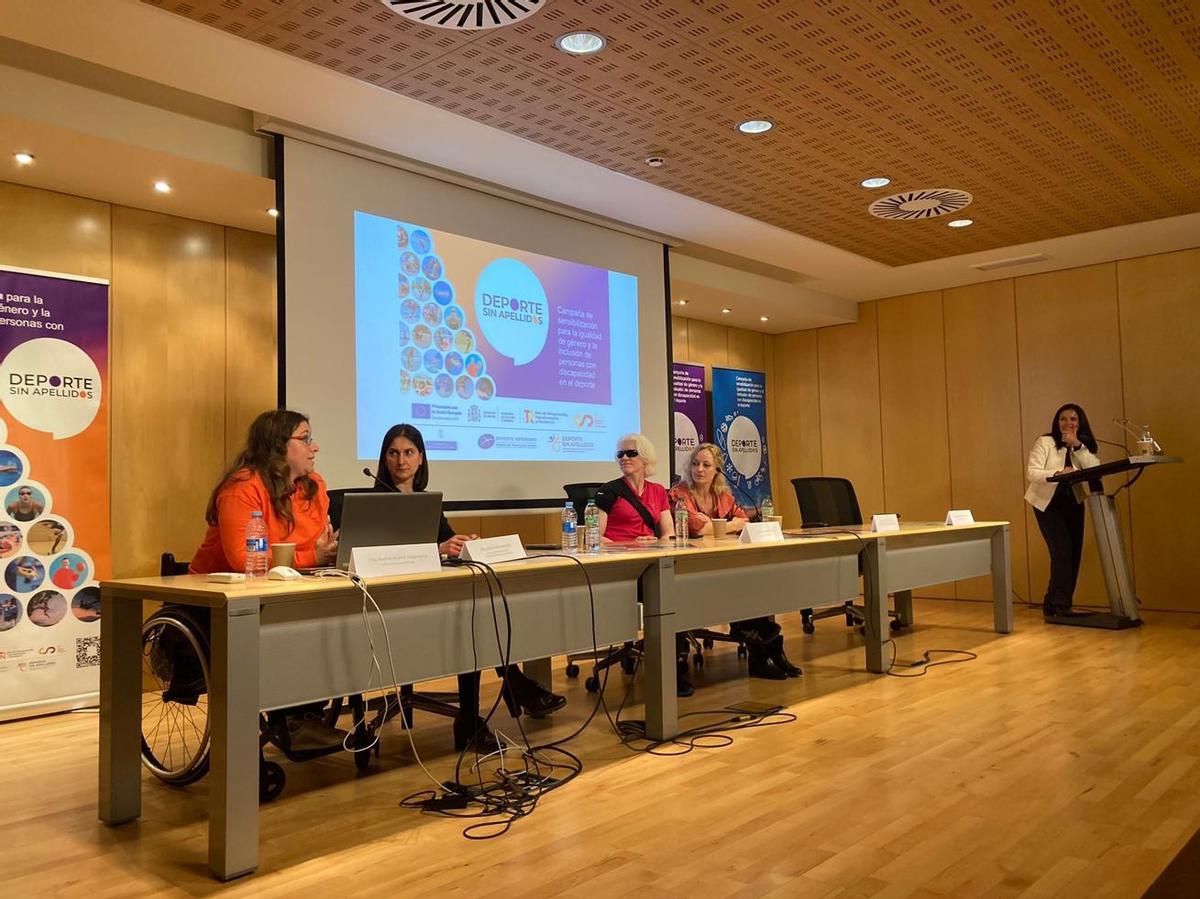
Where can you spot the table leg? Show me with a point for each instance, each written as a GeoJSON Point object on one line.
{"type": "Point", "coordinates": [1002, 581]}
{"type": "Point", "coordinates": [904, 607]}
{"type": "Point", "coordinates": [233, 707]}
{"type": "Point", "coordinates": [120, 797]}
{"type": "Point", "coordinates": [875, 602]}
{"type": "Point", "coordinates": [658, 613]}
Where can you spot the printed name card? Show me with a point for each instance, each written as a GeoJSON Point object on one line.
{"type": "Point", "coordinates": [959, 516]}
{"type": "Point", "coordinates": [761, 532]}
{"type": "Point", "coordinates": [881, 524]}
{"type": "Point", "coordinates": [389, 561]}
{"type": "Point", "coordinates": [491, 550]}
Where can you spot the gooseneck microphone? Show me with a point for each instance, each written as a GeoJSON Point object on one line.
{"type": "Point", "coordinates": [384, 484]}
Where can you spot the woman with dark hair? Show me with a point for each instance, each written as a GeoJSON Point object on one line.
{"type": "Point", "coordinates": [1070, 445]}
{"type": "Point", "coordinates": [275, 475]}
{"type": "Point", "coordinates": [404, 467]}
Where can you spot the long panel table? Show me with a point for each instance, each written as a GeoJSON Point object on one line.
{"type": "Point", "coordinates": [276, 643]}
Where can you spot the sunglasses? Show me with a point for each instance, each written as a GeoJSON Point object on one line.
{"type": "Point", "coordinates": [632, 454]}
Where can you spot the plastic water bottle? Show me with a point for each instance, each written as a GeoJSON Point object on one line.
{"type": "Point", "coordinates": [256, 545]}
{"type": "Point", "coordinates": [681, 523]}
{"type": "Point", "coordinates": [591, 527]}
{"type": "Point", "coordinates": [767, 510]}
{"type": "Point", "coordinates": [570, 537]}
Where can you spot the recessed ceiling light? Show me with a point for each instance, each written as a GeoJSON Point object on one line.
{"type": "Point", "coordinates": [755, 126]}
{"type": "Point", "coordinates": [876, 182]}
{"type": "Point", "coordinates": [23, 158]}
{"type": "Point", "coordinates": [763, 318]}
{"type": "Point", "coordinates": [960, 223]}
{"type": "Point", "coordinates": [656, 161]}
{"type": "Point", "coordinates": [726, 311]}
{"type": "Point", "coordinates": [162, 187]}
{"type": "Point", "coordinates": [682, 302]}
{"type": "Point", "coordinates": [273, 212]}
{"type": "Point", "coordinates": [580, 43]}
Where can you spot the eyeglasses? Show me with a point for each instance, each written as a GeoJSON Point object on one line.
{"type": "Point", "coordinates": [631, 454]}
{"type": "Point", "coordinates": [307, 439]}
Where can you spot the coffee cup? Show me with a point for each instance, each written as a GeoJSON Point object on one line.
{"type": "Point", "coordinates": [720, 526]}
{"type": "Point", "coordinates": [283, 554]}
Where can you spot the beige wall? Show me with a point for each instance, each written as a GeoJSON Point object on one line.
{"type": "Point", "coordinates": [931, 401]}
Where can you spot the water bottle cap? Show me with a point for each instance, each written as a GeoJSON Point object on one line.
{"type": "Point", "coordinates": [256, 514]}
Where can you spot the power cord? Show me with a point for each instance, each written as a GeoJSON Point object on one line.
{"type": "Point", "coordinates": [926, 661]}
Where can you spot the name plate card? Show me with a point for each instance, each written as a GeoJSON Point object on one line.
{"type": "Point", "coordinates": [491, 550]}
{"type": "Point", "coordinates": [761, 532]}
{"type": "Point", "coordinates": [389, 561]}
{"type": "Point", "coordinates": [881, 524]}
{"type": "Point", "coordinates": [959, 516]}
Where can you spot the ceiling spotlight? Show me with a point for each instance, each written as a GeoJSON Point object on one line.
{"type": "Point", "coordinates": [162, 187]}
{"type": "Point", "coordinates": [755, 126]}
{"type": "Point", "coordinates": [960, 223]}
{"type": "Point", "coordinates": [876, 182]}
{"type": "Point", "coordinates": [580, 43]}
{"type": "Point", "coordinates": [656, 161]}
{"type": "Point", "coordinates": [273, 212]}
{"type": "Point", "coordinates": [23, 158]}
{"type": "Point", "coordinates": [682, 302]}
{"type": "Point", "coordinates": [726, 311]}
{"type": "Point", "coordinates": [763, 318]}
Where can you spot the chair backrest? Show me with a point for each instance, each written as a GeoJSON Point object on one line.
{"type": "Point", "coordinates": [168, 566]}
{"type": "Point", "coordinates": [579, 494]}
{"type": "Point", "coordinates": [827, 501]}
{"type": "Point", "coordinates": [337, 499]}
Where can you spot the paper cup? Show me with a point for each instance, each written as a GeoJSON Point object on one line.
{"type": "Point", "coordinates": [778, 518]}
{"type": "Point", "coordinates": [720, 526]}
{"type": "Point", "coordinates": [283, 554]}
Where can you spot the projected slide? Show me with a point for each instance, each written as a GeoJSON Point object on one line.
{"type": "Point", "coordinates": [494, 353]}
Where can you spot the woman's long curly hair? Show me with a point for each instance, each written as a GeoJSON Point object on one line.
{"type": "Point", "coordinates": [266, 455]}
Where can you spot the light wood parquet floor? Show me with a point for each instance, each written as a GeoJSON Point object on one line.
{"type": "Point", "coordinates": [1060, 763]}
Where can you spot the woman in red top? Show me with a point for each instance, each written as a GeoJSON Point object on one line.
{"type": "Point", "coordinates": [620, 520]}
{"type": "Point", "coordinates": [275, 475]}
{"type": "Point", "coordinates": [705, 494]}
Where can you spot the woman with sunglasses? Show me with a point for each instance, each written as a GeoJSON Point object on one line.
{"type": "Point", "coordinates": [632, 507]}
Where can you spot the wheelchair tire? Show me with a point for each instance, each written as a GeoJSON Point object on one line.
{"type": "Point", "coordinates": [176, 735]}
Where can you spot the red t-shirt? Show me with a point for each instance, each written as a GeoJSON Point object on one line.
{"type": "Point", "coordinates": [224, 546]}
{"type": "Point", "coordinates": [624, 521]}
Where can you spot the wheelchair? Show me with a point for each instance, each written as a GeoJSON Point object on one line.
{"type": "Point", "coordinates": [176, 730]}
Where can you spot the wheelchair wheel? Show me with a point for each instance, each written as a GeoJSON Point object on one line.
{"type": "Point", "coordinates": [175, 680]}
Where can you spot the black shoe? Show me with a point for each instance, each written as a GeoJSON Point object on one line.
{"type": "Point", "coordinates": [476, 735]}
{"type": "Point", "coordinates": [781, 660]}
{"type": "Point", "coordinates": [683, 686]}
{"type": "Point", "coordinates": [762, 665]}
{"type": "Point", "coordinates": [1049, 610]}
{"type": "Point", "coordinates": [532, 698]}
{"type": "Point", "coordinates": [309, 732]}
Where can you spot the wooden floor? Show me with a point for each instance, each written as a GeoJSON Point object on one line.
{"type": "Point", "coordinates": [1060, 763]}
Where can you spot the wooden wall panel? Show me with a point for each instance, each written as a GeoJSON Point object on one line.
{"type": "Point", "coordinates": [987, 452]}
{"type": "Point", "coordinates": [168, 342]}
{"type": "Point", "coordinates": [912, 401]}
{"type": "Point", "coordinates": [795, 417]}
{"type": "Point", "coordinates": [250, 321]}
{"type": "Point", "coordinates": [708, 345]}
{"type": "Point", "coordinates": [745, 349]}
{"type": "Point", "coordinates": [1068, 340]}
{"type": "Point", "coordinates": [54, 232]}
{"type": "Point", "coordinates": [1160, 334]}
{"type": "Point", "coordinates": [851, 443]}
{"type": "Point", "coordinates": [679, 339]}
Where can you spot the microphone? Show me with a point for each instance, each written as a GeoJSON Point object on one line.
{"type": "Point", "coordinates": [383, 484]}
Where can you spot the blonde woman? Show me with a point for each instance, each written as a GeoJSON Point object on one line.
{"type": "Point", "coordinates": [632, 507]}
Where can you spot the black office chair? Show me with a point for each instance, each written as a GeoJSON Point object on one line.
{"type": "Point", "coordinates": [831, 502]}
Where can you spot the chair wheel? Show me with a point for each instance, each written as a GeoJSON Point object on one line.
{"type": "Point", "coordinates": [809, 627]}
{"type": "Point", "coordinates": [592, 684]}
{"type": "Point", "coordinates": [270, 781]}
{"type": "Point", "coordinates": [896, 625]}
{"type": "Point", "coordinates": [708, 643]}
{"type": "Point", "coordinates": [572, 669]}
{"type": "Point", "coordinates": [741, 651]}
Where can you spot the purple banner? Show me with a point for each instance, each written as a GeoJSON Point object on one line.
{"type": "Point", "coordinates": [691, 411]}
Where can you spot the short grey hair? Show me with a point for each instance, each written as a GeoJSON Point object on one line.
{"type": "Point", "coordinates": [645, 450]}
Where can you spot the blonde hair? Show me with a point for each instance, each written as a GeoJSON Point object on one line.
{"type": "Point", "coordinates": [719, 484]}
{"type": "Point", "coordinates": [645, 450]}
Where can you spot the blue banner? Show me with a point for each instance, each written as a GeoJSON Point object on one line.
{"type": "Point", "coordinates": [739, 400]}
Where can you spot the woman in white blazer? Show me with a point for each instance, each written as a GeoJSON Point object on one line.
{"type": "Point", "coordinates": [1070, 445]}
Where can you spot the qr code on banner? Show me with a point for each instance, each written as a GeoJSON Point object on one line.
{"type": "Point", "coordinates": [87, 652]}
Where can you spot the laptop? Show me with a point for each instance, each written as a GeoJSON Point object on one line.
{"type": "Point", "coordinates": [381, 518]}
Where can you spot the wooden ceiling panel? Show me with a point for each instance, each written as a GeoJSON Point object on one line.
{"type": "Point", "coordinates": [1058, 117]}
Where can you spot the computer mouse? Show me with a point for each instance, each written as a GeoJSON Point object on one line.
{"type": "Point", "coordinates": [282, 573]}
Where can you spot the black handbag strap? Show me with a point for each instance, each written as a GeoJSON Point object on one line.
{"type": "Point", "coordinates": [607, 495]}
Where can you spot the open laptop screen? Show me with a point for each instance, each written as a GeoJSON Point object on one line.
{"type": "Point", "coordinates": [381, 518]}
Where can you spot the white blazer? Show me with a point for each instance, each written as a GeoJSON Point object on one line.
{"type": "Point", "coordinates": [1046, 460]}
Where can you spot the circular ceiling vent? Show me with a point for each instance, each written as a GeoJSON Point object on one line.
{"type": "Point", "coordinates": [920, 204]}
{"type": "Point", "coordinates": [464, 16]}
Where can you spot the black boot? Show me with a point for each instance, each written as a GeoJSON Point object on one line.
{"type": "Point", "coordinates": [762, 664]}
{"type": "Point", "coordinates": [780, 658]}
{"type": "Point", "coordinates": [530, 696]}
{"type": "Point", "coordinates": [476, 735]}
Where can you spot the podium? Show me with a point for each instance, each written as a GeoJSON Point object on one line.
{"type": "Point", "coordinates": [1088, 487]}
